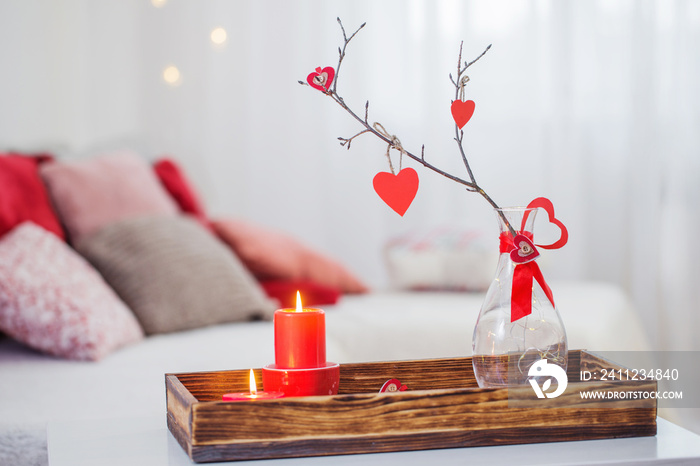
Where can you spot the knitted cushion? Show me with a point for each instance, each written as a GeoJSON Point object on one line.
{"type": "Point", "coordinates": [174, 274]}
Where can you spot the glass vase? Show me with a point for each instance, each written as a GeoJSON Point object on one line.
{"type": "Point", "coordinates": [503, 351]}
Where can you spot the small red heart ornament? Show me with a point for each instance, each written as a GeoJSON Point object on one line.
{"type": "Point", "coordinates": [524, 250]}
{"type": "Point", "coordinates": [398, 191]}
{"type": "Point", "coordinates": [462, 112]}
{"type": "Point", "coordinates": [393, 385]}
{"type": "Point", "coordinates": [546, 204]}
{"type": "Point", "coordinates": [321, 79]}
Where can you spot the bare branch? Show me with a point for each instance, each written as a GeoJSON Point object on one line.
{"type": "Point", "coordinates": [358, 30]}
{"type": "Point", "coordinates": [341, 52]}
{"type": "Point", "coordinates": [393, 141]}
{"type": "Point", "coordinates": [345, 38]}
{"type": "Point", "coordinates": [459, 57]}
{"type": "Point", "coordinates": [467, 65]}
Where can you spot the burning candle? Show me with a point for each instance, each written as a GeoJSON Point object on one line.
{"type": "Point", "coordinates": [300, 337]}
{"type": "Point", "coordinates": [253, 394]}
{"type": "Point", "coordinates": [300, 367]}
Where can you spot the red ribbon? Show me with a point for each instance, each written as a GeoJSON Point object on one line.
{"type": "Point", "coordinates": [521, 294]}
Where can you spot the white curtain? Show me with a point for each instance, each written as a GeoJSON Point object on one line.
{"type": "Point", "coordinates": [594, 104]}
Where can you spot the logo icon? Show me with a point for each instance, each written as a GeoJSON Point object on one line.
{"type": "Point", "coordinates": [543, 369]}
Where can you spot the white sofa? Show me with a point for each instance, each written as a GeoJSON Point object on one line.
{"type": "Point", "coordinates": [36, 389]}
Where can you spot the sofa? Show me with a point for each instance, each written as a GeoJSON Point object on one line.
{"type": "Point", "coordinates": [102, 294]}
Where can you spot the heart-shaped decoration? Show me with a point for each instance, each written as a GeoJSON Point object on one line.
{"type": "Point", "coordinates": [321, 79]}
{"type": "Point", "coordinates": [392, 385]}
{"type": "Point", "coordinates": [524, 250]}
{"type": "Point", "coordinates": [462, 112]}
{"type": "Point", "coordinates": [546, 204]}
{"type": "Point", "coordinates": [398, 191]}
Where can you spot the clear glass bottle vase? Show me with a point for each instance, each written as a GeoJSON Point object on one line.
{"type": "Point", "coordinates": [503, 351]}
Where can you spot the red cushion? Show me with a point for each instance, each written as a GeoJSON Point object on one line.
{"type": "Point", "coordinates": [180, 189]}
{"type": "Point", "coordinates": [23, 195]}
{"type": "Point", "coordinates": [312, 294]}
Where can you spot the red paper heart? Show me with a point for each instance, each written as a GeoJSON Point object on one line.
{"type": "Point", "coordinates": [398, 191]}
{"type": "Point", "coordinates": [524, 250]}
{"type": "Point", "coordinates": [462, 112]}
{"type": "Point", "coordinates": [321, 79]}
{"type": "Point", "coordinates": [546, 204]}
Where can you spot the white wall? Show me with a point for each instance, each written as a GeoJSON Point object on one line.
{"type": "Point", "coordinates": [592, 104]}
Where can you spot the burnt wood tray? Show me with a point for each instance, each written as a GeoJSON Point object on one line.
{"type": "Point", "coordinates": [443, 408]}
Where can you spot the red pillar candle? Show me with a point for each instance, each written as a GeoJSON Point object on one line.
{"type": "Point", "coordinates": [300, 367]}
{"type": "Point", "coordinates": [300, 338]}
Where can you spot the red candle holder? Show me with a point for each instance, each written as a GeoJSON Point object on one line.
{"type": "Point", "coordinates": [303, 382]}
{"type": "Point", "coordinates": [300, 367]}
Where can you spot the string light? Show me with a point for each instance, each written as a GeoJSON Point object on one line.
{"type": "Point", "coordinates": [171, 75]}
{"type": "Point", "coordinates": [218, 36]}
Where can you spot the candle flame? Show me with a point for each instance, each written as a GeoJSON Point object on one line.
{"type": "Point", "coordinates": [299, 307]}
{"type": "Point", "coordinates": [253, 386]}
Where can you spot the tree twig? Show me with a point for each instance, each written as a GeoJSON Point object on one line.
{"type": "Point", "coordinates": [341, 53]}
{"type": "Point", "coordinates": [470, 184]}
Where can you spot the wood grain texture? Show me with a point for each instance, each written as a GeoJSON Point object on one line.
{"type": "Point", "coordinates": [179, 402]}
{"type": "Point", "coordinates": [412, 442]}
{"type": "Point", "coordinates": [443, 409]}
{"type": "Point", "coordinates": [429, 374]}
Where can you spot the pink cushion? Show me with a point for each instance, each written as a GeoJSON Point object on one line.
{"type": "Point", "coordinates": [93, 193]}
{"type": "Point", "coordinates": [52, 300]}
{"type": "Point", "coordinates": [272, 255]}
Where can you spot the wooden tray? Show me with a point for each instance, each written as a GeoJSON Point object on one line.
{"type": "Point", "coordinates": [443, 408]}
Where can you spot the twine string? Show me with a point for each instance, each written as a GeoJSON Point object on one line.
{"type": "Point", "coordinates": [462, 84]}
{"type": "Point", "coordinates": [394, 143]}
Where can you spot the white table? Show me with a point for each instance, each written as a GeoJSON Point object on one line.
{"type": "Point", "coordinates": [147, 442]}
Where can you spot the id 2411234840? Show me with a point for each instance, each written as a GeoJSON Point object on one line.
{"type": "Point", "coordinates": [630, 374]}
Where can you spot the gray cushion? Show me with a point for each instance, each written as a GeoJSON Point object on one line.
{"type": "Point", "coordinates": [174, 274]}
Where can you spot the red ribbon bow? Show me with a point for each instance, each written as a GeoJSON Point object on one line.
{"type": "Point", "coordinates": [523, 253]}
{"type": "Point", "coordinates": [521, 294]}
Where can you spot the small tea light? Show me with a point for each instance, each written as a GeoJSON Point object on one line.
{"type": "Point", "coordinates": [253, 394]}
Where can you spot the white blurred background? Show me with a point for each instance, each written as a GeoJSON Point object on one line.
{"type": "Point", "coordinates": [594, 104]}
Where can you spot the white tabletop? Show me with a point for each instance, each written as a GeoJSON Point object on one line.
{"type": "Point", "coordinates": [147, 442]}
